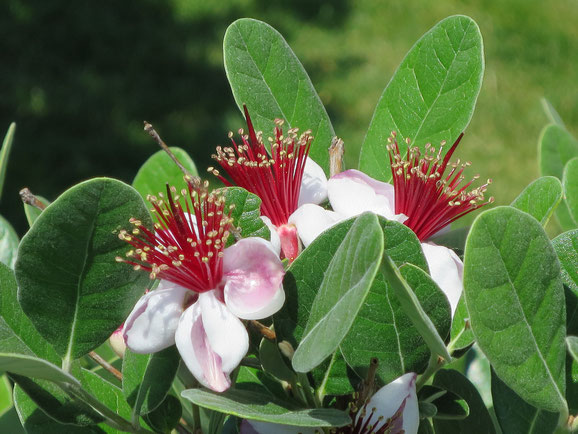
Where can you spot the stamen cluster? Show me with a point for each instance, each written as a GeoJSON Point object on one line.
{"type": "Point", "coordinates": [273, 176]}
{"type": "Point", "coordinates": [366, 420]}
{"type": "Point", "coordinates": [430, 198]}
{"type": "Point", "coordinates": [189, 237]}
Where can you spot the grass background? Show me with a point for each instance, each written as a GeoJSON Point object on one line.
{"type": "Point", "coordinates": [79, 78]}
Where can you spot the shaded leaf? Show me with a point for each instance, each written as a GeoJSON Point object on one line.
{"type": "Point", "coordinates": [33, 212]}
{"type": "Point", "coordinates": [5, 153]}
{"type": "Point", "coordinates": [246, 213]}
{"type": "Point", "coordinates": [566, 247]}
{"type": "Point", "coordinates": [570, 182]}
{"type": "Point", "coordinates": [166, 416]}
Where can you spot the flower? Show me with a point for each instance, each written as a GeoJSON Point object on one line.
{"type": "Point", "coordinates": [423, 197]}
{"type": "Point", "coordinates": [205, 287]}
{"type": "Point", "coordinates": [393, 409]}
{"type": "Point", "coordinates": [284, 179]}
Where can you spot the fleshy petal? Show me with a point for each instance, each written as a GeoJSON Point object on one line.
{"type": "Point", "coordinates": [258, 427]}
{"type": "Point", "coordinates": [353, 192]}
{"type": "Point", "coordinates": [447, 270]}
{"type": "Point", "coordinates": [275, 239]}
{"type": "Point", "coordinates": [151, 325]}
{"type": "Point", "coordinates": [253, 274]}
{"type": "Point", "coordinates": [211, 341]}
{"type": "Point", "coordinates": [117, 342]}
{"type": "Point", "coordinates": [314, 184]}
{"type": "Point", "coordinates": [390, 398]}
{"type": "Point", "coordinates": [310, 220]}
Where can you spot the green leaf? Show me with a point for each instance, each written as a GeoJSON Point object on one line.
{"type": "Point", "coordinates": [556, 147]}
{"type": "Point", "coordinates": [515, 415]}
{"type": "Point", "coordinates": [448, 405]}
{"type": "Point", "coordinates": [166, 416]}
{"type": "Point", "coordinates": [540, 198]}
{"type": "Point", "coordinates": [515, 298]}
{"type": "Point", "coordinates": [479, 419]}
{"type": "Point", "coordinates": [572, 343]}
{"type": "Point", "coordinates": [70, 285]}
{"type": "Point", "coordinates": [9, 422]}
{"type": "Point", "coordinates": [383, 329]}
{"type": "Point", "coordinates": [159, 170]}
{"type": "Point", "coordinates": [551, 113]}
{"type": "Point", "coordinates": [265, 74]}
{"type": "Point", "coordinates": [107, 393]}
{"type": "Point", "coordinates": [432, 95]}
{"type": "Point", "coordinates": [566, 247]}
{"type": "Point", "coordinates": [570, 182]}
{"type": "Point", "coordinates": [256, 406]}
{"type": "Point", "coordinates": [34, 367]}
{"type": "Point", "coordinates": [342, 292]}
{"type": "Point", "coordinates": [8, 243]}
{"type": "Point", "coordinates": [147, 378]}
{"type": "Point", "coordinates": [32, 212]}
{"type": "Point", "coordinates": [5, 153]}
{"type": "Point", "coordinates": [5, 395]}
{"type": "Point", "coordinates": [400, 284]}
{"type": "Point", "coordinates": [246, 213]}
{"type": "Point", "coordinates": [273, 362]}
{"type": "Point", "coordinates": [461, 335]}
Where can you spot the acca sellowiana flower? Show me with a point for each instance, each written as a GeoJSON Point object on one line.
{"type": "Point", "coordinates": [205, 288]}
{"type": "Point", "coordinates": [284, 178]}
{"type": "Point", "coordinates": [393, 409]}
{"type": "Point", "coordinates": [426, 196]}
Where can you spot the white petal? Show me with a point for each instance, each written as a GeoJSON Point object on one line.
{"type": "Point", "coordinates": [314, 184]}
{"type": "Point", "coordinates": [258, 427]}
{"type": "Point", "coordinates": [310, 220]}
{"type": "Point", "coordinates": [447, 270]}
{"type": "Point", "coordinates": [211, 341]}
{"type": "Point", "coordinates": [253, 274]}
{"type": "Point", "coordinates": [352, 193]}
{"type": "Point", "coordinates": [275, 240]}
{"type": "Point", "coordinates": [388, 400]}
{"type": "Point", "coordinates": [151, 325]}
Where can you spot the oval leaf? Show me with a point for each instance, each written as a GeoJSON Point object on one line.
{"type": "Point", "coordinates": [570, 181]}
{"type": "Point", "coordinates": [265, 74]}
{"type": "Point", "coordinates": [342, 292]}
{"type": "Point", "coordinates": [253, 405]}
{"type": "Point", "coordinates": [34, 367]}
{"type": "Point", "coordinates": [5, 153]}
{"type": "Point", "coordinates": [159, 170]}
{"type": "Point", "coordinates": [432, 95]}
{"type": "Point", "coordinates": [566, 247]}
{"type": "Point", "coordinates": [70, 285]}
{"type": "Point", "coordinates": [540, 198]}
{"type": "Point", "coordinates": [515, 298]}
{"type": "Point", "coordinates": [8, 243]}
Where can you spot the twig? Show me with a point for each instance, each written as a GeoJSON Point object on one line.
{"type": "Point", "coordinates": [106, 365]}
{"type": "Point", "coordinates": [336, 151]}
{"type": "Point", "coordinates": [28, 198]}
{"type": "Point", "coordinates": [265, 331]}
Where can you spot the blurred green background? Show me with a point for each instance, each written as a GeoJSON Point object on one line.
{"type": "Point", "coordinates": [80, 77]}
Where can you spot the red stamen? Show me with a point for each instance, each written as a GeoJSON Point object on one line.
{"type": "Point", "coordinates": [187, 244]}
{"type": "Point", "coordinates": [273, 176]}
{"type": "Point", "coordinates": [429, 199]}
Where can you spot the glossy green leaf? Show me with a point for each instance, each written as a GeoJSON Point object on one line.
{"type": "Point", "coordinates": [572, 343]}
{"type": "Point", "coordinates": [570, 182]}
{"type": "Point", "coordinates": [70, 285]}
{"type": "Point", "coordinates": [160, 170]}
{"type": "Point", "coordinates": [246, 213]}
{"type": "Point", "coordinates": [265, 74]}
{"type": "Point", "coordinates": [551, 112]}
{"type": "Point", "coordinates": [5, 153]}
{"type": "Point", "coordinates": [432, 95]}
{"type": "Point", "coordinates": [516, 416]}
{"type": "Point", "coordinates": [147, 378]}
{"type": "Point", "coordinates": [32, 212]}
{"type": "Point", "coordinates": [556, 147]}
{"type": "Point", "coordinates": [36, 421]}
{"type": "Point", "coordinates": [345, 285]}
{"type": "Point", "coordinates": [8, 243]}
{"type": "Point", "coordinates": [166, 416]}
{"type": "Point", "coordinates": [515, 298]}
{"type": "Point", "coordinates": [384, 330]}
{"type": "Point", "coordinates": [540, 198]}
{"type": "Point", "coordinates": [252, 405]}
{"type": "Point", "coordinates": [478, 420]}
{"type": "Point", "coordinates": [566, 247]}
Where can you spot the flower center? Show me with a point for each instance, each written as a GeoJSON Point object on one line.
{"type": "Point", "coordinates": [430, 198]}
{"type": "Point", "coordinates": [276, 176]}
{"type": "Point", "coordinates": [190, 236]}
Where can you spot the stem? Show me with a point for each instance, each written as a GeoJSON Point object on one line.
{"type": "Point", "coordinates": [336, 151]}
{"type": "Point", "coordinates": [455, 339]}
{"type": "Point", "coordinates": [106, 365]}
{"type": "Point", "coordinates": [435, 363]}
{"type": "Point", "coordinates": [306, 387]}
{"type": "Point", "coordinates": [265, 331]}
{"type": "Point", "coordinates": [28, 198]}
{"type": "Point", "coordinates": [196, 419]}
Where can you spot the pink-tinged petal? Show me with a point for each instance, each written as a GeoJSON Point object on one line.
{"type": "Point", "coordinates": [289, 241]}
{"type": "Point", "coordinates": [253, 274]}
{"type": "Point", "coordinates": [447, 270]}
{"type": "Point", "coordinates": [313, 185]}
{"type": "Point", "coordinates": [275, 240]}
{"type": "Point", "coordinates": [352, 193]}
{"type": "Point", "coordinates": [151, 325]}
{"type": "Point", "coordinates": [211, 341]}
{"type": "Point", "coordinates": [310, 220]}
{"type": "Point", "coordinates": [258, 427]}
{"type": "Point", "coordinates": [399, 395]}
